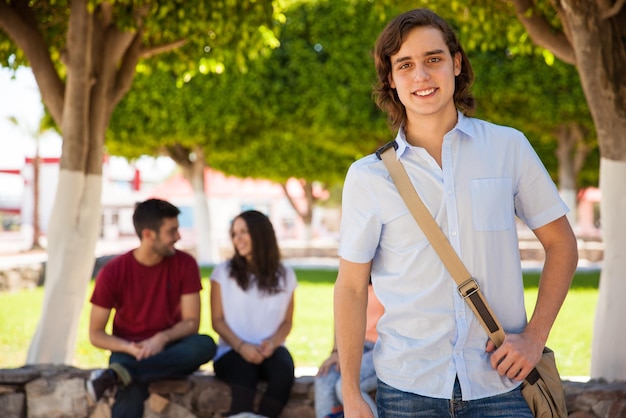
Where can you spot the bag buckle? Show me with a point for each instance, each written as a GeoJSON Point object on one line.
{"type": "Point", "coordinates": [379, 151]}
{"type": "Point", "coordinates": [468, 288]}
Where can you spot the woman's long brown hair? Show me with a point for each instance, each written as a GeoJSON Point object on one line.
{"type": "Point", "coordinates": [266, 268]}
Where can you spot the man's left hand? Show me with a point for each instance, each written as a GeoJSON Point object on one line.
{"type": "Point", "coordinates": [516, 357]}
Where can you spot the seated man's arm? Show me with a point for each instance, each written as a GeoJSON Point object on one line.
{"type": "Point", "coordinates": [190, 322]}
{"type": "Point", "coordinates": [188, 325]}
{"type": "Point", "coordinates": [99, 337]}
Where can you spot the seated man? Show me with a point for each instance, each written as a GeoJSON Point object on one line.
{"type": "Point", "coordinates": [155, 291]}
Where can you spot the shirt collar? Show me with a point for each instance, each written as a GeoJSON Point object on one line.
{"type": "Point", "coordinates": [464, 125]}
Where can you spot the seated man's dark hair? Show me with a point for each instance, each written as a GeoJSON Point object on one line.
{"type": "Point", "coordinates": [150, 214]}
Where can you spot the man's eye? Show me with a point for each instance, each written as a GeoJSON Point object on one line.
{"type": "Point", "coordinates": [434, 59]}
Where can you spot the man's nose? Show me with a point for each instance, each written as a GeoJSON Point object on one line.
{"type": "Point", "coordinates": [421, 73]}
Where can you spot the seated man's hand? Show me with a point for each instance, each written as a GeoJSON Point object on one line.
{"type": "Point", "coordinates": [327, 365]}
{"type": "Point", "coordinates": [132, 348]}
{"type": "Point", "coordinates": [151, 346]}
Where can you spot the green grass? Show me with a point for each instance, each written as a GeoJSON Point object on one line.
{"type": "Point", "coordinates": [571, 334]}
{"type": "Point", "coordinates": [311, 338]}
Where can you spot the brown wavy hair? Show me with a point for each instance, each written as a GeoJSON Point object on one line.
{"type": "Point", "coordinates": [266, 268]}
{"type": "Point", "coordinates": [389, 43]}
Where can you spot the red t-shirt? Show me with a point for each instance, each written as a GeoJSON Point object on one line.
{"type": "Point", "coordinates": [146, 299]}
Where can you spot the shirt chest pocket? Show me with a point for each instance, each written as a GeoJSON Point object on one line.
{"type": "Point", "coordinates": [492, 204]}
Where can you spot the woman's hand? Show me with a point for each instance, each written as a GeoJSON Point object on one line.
{"type": "Point", "coordinates": [267, 348]}
{"type": "Point", "coordinates": [251, 353]}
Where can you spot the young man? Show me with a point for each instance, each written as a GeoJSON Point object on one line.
{"type": "Point", "coordinates": [155, 291]}
{"type": "Point", "coordinates": [433, 357]}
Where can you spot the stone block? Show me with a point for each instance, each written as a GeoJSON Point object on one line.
{"type": "Point", "coordinates": [56, 397]}
{"type": "Point", "coordinates": [172, 410]}
{"type": "Point", "coordinates": [157, 403]}
{"type": "Point", "coordinates": [13, 405]}
{"type": "Point", "coordinates": [101, 410]}
{"type": "Point", "coordinates": [19, 376]}
{"type": "Point", "coordinates": [170, 386]}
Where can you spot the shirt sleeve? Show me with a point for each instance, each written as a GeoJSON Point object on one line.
{"type": "Point", "coordinates": [291, 280]}
{"type": "Point", "coordinates": [218, 274]}
{"type": "Point", "coordinates": [361, 225]}
{"type": "Point", "coordinates": [537, 199]}
{"type": "Point", "coordinates": [104, 290]}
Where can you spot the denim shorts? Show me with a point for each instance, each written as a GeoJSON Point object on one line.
{"type": "Point", "coordinates": [394, 403]}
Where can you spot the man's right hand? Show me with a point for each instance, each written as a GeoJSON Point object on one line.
{"type": "Point", "coordinates": [357, 408]}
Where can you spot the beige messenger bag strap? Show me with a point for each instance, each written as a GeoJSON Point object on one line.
{"type": "Point", "coordinates": [467, 286]}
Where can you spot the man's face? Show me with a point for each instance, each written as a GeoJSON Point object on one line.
{"type": "Point", "coordinates": [167, 236]}
{"type": "Point", "coordinates": [423, 72]}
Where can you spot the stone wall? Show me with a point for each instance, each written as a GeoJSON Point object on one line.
{"type": "Point", "coordinates": [59, 392]}
{"type": "Point", "coordinates": [20, 277]}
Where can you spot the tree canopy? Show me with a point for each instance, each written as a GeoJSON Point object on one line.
{"type": "Point", "coordinates": [304, 111]}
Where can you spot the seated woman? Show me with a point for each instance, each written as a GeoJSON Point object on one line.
{"type": "Point", "coordinates": [252, 302]}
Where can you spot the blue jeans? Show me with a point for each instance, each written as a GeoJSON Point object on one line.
{"type": "Point", "coordinates": [177, 360]}
{"type": "Point", "coordinates": [328, 395]}
{"type": "Point", "coordinates": [393, 403]}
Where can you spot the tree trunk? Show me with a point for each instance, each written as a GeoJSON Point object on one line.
{"type": "Point", "coordinates": [206, 247]}
{"type": "Point", "coordinates": [608, 356]}
{"type": "Point", "coordinates": [592, 40]}
{"type": "Point", "coordinates": [601, 63]}
{"type": "Point", "coordinates": [95, 83]}
{"type": "Point", "coordinates": [72, 236]}
{"type": "Point", "coordinates": [305, 213]}
{"type": "Point", "coordinates": [36, 245]}
{"type": "Point", "coordinates": [192, 164]}
{"type": "Point", "coordinates": [571, 153]}
{"type": "Point", "coordinates": [73, 229]}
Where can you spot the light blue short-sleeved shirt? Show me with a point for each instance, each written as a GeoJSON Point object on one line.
{"type": "Point", "coordinates": [428, 335]}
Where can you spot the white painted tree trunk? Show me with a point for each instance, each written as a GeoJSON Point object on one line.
{"type": "Point", "coordinates": [72, 237]}
{"type": "Point", "coordinates": [608, 349]}
{"type": "Point", "coordinates": [206, 247]}
{"type": "Point", "coordinates": [308, 235]}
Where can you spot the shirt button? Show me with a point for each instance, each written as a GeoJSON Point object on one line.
{"type": "Point", "coordinates": [453, 233]}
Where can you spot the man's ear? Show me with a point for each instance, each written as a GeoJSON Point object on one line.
{"type": "Point", "coordinates": [147, 234]}
{"type": "Point", "coordinates": [458, 61]}
{"type": "Point", "coordinates": [392, 84]}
